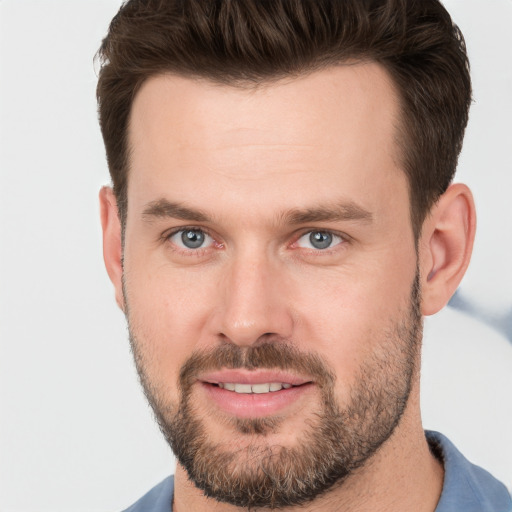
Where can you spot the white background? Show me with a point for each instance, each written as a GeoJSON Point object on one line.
{"type": "Point", "coordinates": [75, 431]}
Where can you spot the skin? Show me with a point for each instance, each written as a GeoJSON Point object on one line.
{"type": "Point", "coordinates": [247, 159]}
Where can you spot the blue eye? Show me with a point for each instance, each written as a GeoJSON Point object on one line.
{"type": "Point", "coordinates": [319, 240]}
{"type": "Point", "coordinates": [191, 239]}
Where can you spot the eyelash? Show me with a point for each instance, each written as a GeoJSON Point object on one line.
{"type": "Point", "coordinates": [166, 237]}
{"type": "Point", "coordinates": [344, 239]}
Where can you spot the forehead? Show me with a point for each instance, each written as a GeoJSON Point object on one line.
{"type": "Point", "coordinates": [334, 128]}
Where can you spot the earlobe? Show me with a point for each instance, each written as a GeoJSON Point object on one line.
{"type": "Point", "coordinates": [445, 246]}
{"type": "Point", "coordinates": [112, 242]}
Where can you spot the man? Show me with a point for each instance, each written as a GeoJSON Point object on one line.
{"type": "Point", "coordinates": [281, 218]}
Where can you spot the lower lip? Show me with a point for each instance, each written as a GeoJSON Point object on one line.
{"type": "Point", "coordinates": [254, 405]}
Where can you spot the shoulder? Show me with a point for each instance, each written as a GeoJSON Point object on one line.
{"type": "Point", "coordinates": [158, 499]}
{"type": "Point", "coordinates": [466, 486]}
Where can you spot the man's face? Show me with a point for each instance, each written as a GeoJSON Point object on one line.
{"type": "Point", "coordinates": [269, 277]}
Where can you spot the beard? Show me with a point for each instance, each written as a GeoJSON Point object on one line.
{"type": "Point", "coordinates": [246, 470]}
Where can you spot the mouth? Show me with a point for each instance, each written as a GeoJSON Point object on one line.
{"type": "Point", "coordinates": [254, 394]}
{"type": "Point", "coordinates": [259, 389]}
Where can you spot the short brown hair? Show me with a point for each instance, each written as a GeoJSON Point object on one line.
{"type": "Point", "coordinates": [247, 42]}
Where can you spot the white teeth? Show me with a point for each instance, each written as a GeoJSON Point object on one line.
{"type": "Point", "coordinates": [254, 388]}
{"type": "Point", "coordinates": [260, 388]}
{"type": "Point", "coordinates": [243, 388]}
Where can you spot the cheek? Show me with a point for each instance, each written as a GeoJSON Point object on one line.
{"type": "Point", "coordinates": [167, 314]}
{"type": "Point", "coordinates": [349, 313]}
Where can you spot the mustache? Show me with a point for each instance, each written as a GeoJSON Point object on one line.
{"type": "Point", "coordinates": [269, 355]}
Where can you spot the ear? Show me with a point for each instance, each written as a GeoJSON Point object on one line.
{"type": "Point", "coordinates": [112, 244]}
{"type": "Point", "coordinates": [445, 246]}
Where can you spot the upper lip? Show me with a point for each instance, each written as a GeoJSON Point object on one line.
{"type": "Point", "coordinates": [241, 376]}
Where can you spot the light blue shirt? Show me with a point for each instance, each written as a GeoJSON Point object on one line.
{"type": "Point", "coordinates": [466, 487]}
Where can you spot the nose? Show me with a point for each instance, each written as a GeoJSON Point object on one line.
{"type": "Point", "coordinates": [255, 304]}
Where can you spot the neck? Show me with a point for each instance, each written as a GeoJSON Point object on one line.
{"type": "Point", "coordinates": [402, 476]}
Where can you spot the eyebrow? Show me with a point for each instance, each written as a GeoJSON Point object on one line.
{"type": "Point", "coordinates": [339, 212]}
{"type": "Point", "coordinates": [163, 208]}
{"type": "Point", "coordinates": [349, 211]}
